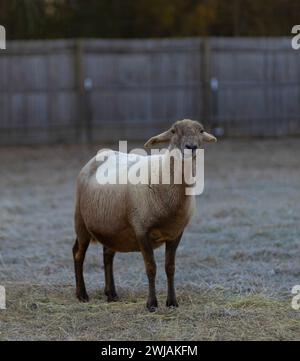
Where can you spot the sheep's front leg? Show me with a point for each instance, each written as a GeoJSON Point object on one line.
{"type": "Point", "coordinates": [110, 290]}
{"type": "Point", "coordinates": [150, 265]}
{"type": "Point", "coordinates": [171, 248]}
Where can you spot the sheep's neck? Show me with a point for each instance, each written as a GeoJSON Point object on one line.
{"type": "Point", "coordinates": [178, 168]}
{"type": "Point", "coordinates": [177, 191]}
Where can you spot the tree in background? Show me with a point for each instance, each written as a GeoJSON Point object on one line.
{"type": "Point", "coordinates": [23, 19]}
{"type": "Point", "coordinates": [36, 19]}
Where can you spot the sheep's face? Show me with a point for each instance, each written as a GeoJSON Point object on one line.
{"type": "Point", "coordinates": [184, 134]}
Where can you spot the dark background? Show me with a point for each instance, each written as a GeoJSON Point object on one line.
{"type": "Point", "coordinates": [52, 19]}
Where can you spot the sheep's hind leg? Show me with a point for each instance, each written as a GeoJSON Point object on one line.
{"type": "Point", "coordinates": [150, 266]}
{"type": "Point", "coordinates": [79, 251]}
{"type": "Point", "coordinates": [110, 290]}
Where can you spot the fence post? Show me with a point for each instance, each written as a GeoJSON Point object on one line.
{"type": "Point", "coordinates": [88, 120]}
{"type": "Point", "coordinates": [206, 77]}
{"type": "Point", "coordinates": [80, 93]}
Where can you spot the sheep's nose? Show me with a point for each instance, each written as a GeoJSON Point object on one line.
{"type": "Point", "coordinates": [192, 147]}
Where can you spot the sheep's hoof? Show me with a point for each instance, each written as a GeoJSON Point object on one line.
{"type": "Point", "coordinates": [112, 298]}
{"type": "Point", "coordinates": [152, 306]}
{"type": "Point", "coordinates": [172, 304]}
{"type": "Point", "coordinates": [83, 297]}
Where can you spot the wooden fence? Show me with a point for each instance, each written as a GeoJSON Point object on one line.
{"type": "Point", "coordinates": [103, 90]}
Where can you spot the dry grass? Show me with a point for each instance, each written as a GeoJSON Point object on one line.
{"type": "Point", "coordinates": [43, 313]}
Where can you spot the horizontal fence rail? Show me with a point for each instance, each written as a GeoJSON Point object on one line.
{"type": "Point", "coordinates": [104, 90]}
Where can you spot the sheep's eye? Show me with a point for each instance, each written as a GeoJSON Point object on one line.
{"type": "Point", "coordinates": [173, 131]}
{"type": "Point", "coordinates": [201, 131]}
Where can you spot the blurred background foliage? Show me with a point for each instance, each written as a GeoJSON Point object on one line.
{"type": "Point", "coordinates": [39, 19]}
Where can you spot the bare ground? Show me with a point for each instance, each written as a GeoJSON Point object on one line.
{"type": "Point", "coordinates": [236, 264]}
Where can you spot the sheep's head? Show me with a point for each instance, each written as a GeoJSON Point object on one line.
{"type": "Point", "coordinates": [184, 134]}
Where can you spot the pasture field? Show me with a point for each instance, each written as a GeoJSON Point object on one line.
{"type": "Point", "coordinates": [236, 264]}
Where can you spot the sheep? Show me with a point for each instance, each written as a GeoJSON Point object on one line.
{"type": "Point", "coordinates": [130, 218]}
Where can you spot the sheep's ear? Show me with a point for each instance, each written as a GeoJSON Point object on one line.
{"type": "Point", "coordinates": [158, 139]}
{"type": "Point", "coordinates": [208, 137]}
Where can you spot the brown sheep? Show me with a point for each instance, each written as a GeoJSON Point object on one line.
{"type": "Point", "coordinates": [129, 218]}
